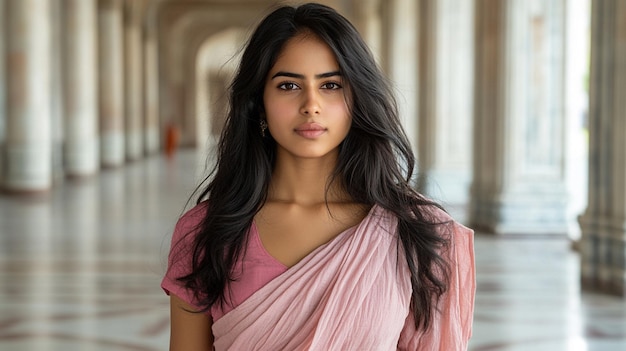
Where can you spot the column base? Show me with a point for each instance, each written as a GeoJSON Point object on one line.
{"type": "Point", "coordinates": [58, 170]}
{"type": "Point", "coordinates": [603, 254]}
{"type": "Point", "coordinates": [112, 152]}
{"type": "Point", "coordinates": [28, 167]}
{"type": "Point", "coordinates": [2, 163]}
{"type": "Point", "coordinates": [134, 145]}
{"type": "Point", "coordinates": [152, 139]}
{"type": "Point", "coordinates": [539, 214]}
{"type": "Point", "coordinates": [617, 288]}
{"type": "Point", "coordinates": [82, 158]}
{"type": "Point", "coordinates": [448, 187]}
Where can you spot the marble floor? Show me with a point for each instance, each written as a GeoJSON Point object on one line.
{"type": "Point", "coordinates": [80, 269]}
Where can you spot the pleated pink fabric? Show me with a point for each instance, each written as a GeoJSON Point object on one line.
{"type": "Point", "coordinates": [451, 328]}
{"type": "Point", "coordinates": [353, 293]}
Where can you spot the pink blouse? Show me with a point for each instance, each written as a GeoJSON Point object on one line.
{"type": "Point", "coordinates": [255, 269]}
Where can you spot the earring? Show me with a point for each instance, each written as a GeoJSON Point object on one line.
{"type": "Point", "coordinates": [263, 125]}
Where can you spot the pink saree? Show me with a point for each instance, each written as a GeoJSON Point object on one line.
{"type": "Point", "coordinates": [353, 293]}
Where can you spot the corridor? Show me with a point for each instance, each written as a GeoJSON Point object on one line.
{"type": "Point", "coordinates": [80, 269]}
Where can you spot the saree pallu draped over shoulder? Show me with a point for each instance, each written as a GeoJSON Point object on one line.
{"type": "Point", "coordinates": [352, 293]}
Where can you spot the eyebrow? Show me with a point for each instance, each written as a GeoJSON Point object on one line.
{"type": "Point", "coordinates": [301, 76]}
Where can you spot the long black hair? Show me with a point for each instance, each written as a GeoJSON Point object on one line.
{"type": "Point", "coordinates": [375, 163]}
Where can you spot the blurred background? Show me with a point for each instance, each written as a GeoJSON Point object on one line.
{"type": "Point", "coordinates": [110, 111]}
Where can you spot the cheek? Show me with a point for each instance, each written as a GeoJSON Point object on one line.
{"type": "Point", "coordinates": [341, 112]}
{"type": "Point", "coordinates": [274, 108]}
{"type": "Point", "coordinates": [277, 112]}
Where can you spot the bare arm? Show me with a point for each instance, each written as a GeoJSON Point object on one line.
{"type": "Point", "coordinates": [189, 331]}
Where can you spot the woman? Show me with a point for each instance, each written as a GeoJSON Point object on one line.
{"type": "Point", "coordinates": [309, 235]}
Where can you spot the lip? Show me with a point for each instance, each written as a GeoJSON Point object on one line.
{"type": "Point", "coordinates": [310, 130]}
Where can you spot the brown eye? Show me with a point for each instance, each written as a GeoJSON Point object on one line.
{"type": "Point", "coordinates": [287, 86]}
{"type": "Point", "coordinates": [331, 86]}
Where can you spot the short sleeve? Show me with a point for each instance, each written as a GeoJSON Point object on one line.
{"type": "Point", "coordinates": [451, 327]}
{"type": "Point", "coordinates": [181, 253]}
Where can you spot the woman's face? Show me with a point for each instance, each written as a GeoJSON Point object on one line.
{"type": "Point", "coordinates": [304, 100]}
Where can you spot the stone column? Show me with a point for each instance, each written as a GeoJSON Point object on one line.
{"type": "Point", "coordinates": [111, 82]}
{"type": "Point", "coordinates": [189, 125]}
{"type": "Point", "coordinates": [399, 59]}
{"type": "Point", "coordinates": [152, 132]}
{"type": "Point", "coordinates": [445, 99]}
{"type": "Point", "coordinates": [57, 115]}
{"type": "Point", "coordinates": [133, 73]}
{"type": "Point", "coordinates": [204, 105]}
{"type": "Point", "coordinates": [218, 83]}
{"type": "Point", "coordinates": [3, 100]}
{"type": "Point", "coordinates": [519, 182]}
{"type": "Point", "coordinates": [368, 21]}
{"type": "Point", "coordinates": [208, 87]}
{"type": "Point", "coordinates": [28, 133]}
{"type": "Point", "coordinates": [80, 93]}
{"type": "Point", "coordinates": [603, 243]}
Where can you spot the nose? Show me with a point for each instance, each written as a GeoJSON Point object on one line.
{"type": "Point", "coordinates": [311, 103]}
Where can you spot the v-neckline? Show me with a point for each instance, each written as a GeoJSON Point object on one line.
{"type": "Point", "coordinates": [257, 237]}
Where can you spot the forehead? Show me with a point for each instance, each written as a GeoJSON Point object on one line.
{"type": "Point", "coordinates": [306, 52]}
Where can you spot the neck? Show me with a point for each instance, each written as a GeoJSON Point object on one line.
{"type": "Point", "coordinates": [304, 181]}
